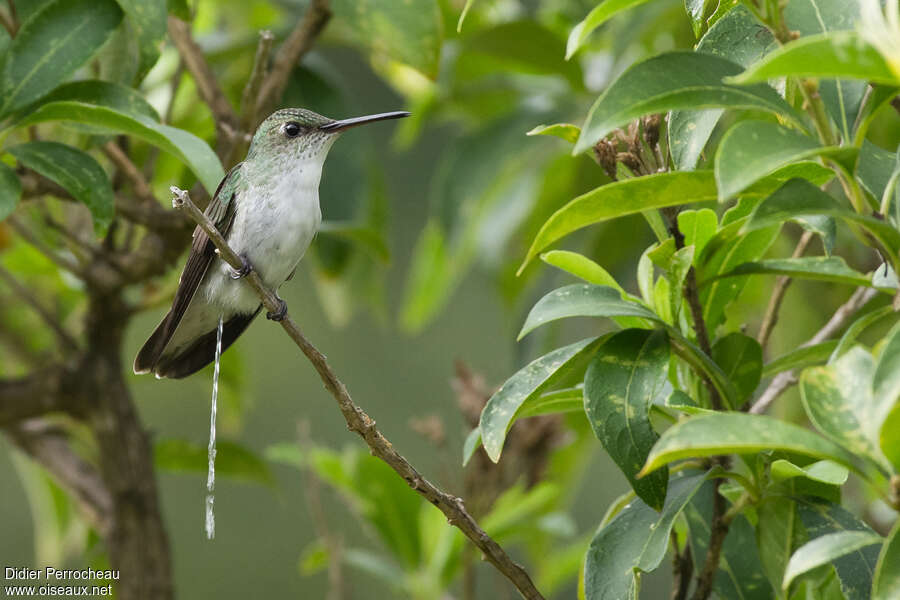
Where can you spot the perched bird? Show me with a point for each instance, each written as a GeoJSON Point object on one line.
{"type": "Point", "coordinates": [267, 208]}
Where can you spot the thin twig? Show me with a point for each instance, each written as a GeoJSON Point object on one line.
{"type": "Point", "coordinates": [52, 322]}
{"type": "Point", "coordinates": [250, 97]}
{"type": "Point", "coordinates": [60, 260]}
{"type": "Point", "coordinates": [784, 380]}
{"type": "Point", "coordinates": [781, 285]}
{"type": "Point", "coordinates": [138, 182]}
{"type": "Point", "coordinates": [359, 422]}
{"type": "Point", "coordinates": [297, 44]}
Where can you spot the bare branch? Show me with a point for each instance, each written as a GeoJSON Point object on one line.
{"type": "Point", "coordinates": [132, 173]}
{"type": "Point", "coordinates": [41, 392]}
{"type": "Point", "coordinates": [359, 422]}
{"type": "Point", "coordinates": [784, 380]}
{"type": "Point", "coordinates": [52, 322]}
{"type": "Point", "coordinates": [250, 97]}
{"type": "Point", "coordinates": [49, 446]}
{"type": "Point", "coordinates": [297, 44]}
{"type": "Point", "coordinates": [61, 260]}
{"type": "Point", "coordinates": [207, 85]}
{"type": "Point", "coordinates": [781, 285]}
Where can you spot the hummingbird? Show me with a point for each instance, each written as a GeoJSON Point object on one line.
{"type": "Point", "coordinates": [267, 209]}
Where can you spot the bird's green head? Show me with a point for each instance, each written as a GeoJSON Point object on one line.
{"type": "Point", "coordinates": [302, 133]}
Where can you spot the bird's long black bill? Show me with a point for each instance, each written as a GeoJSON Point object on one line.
{"type": "Point", "coordinates": [343, 124]}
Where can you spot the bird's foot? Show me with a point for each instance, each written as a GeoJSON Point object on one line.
{"type": "Point", "coordinates": [245, 269]}
{"type": "Point", "coordinates": [279, 314]}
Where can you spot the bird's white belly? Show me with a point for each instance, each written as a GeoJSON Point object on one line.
{"type": "Point", "coordinates": [273, 232]}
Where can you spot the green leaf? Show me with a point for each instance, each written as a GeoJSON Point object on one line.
{"type": "Point", "coordinates": [103, 93]}
{"type": "Point", "coordinates": [10, 191]}
{"type": "Point", "coordinates": [74, 170]}
{"type": "Point", "coordinates": [738, 433]}
{"type": "Point", "coordinates": [740, 357]}
{"type": "Point", "coordinates": [623, 198]}
{"type": "Point", "coordinates": [624, 378]}
{"type": "Point", "coordinates": [739, 37]}
{"type": "Point", "coordinates": [804, 356]}
{"type": "Point", "coordinates": [148, 20]}
{"type": "Point", "coordinates": [839, 402]}
{"type": "Point", "coordinates": [876, 165]}
{"type": "Point", "coordinates": [582, 300]}
{"type": "Point", "coordinates": [798, 197]}
{"type": "Point", "coordinates": [51, 45]}
{"type": "Point", "coordinates": [886, 584]}
{"type": "Point", "coordinates": [698, 227]}
{"type": "Point", "coordinates": [886, 379]}
{"type": "Point", "coordinates": [185, 146]}
{"type": "Point", "coordinates": [855, 569]}
{"type": "Point", "coordinates": [776, 534]}
{"type": "Point", "coordinates": [839, 54]}
{"type": "Point", "coordinates": [823, 471]}
{"type": "Point", "coordinates": [410, 32]}
{"type": "Point", "coordinates": [565, 131]}
{"type": "Point", "coordinates": [232, 460]}
{"type": "Point", "coordinates": [584, 268]}
{"type": "Point", "coordinates": [819, 268]}
{"type": "Point", "coordinates": [825, 549]}
{"type": "Point", "coordinates": [889, 439]}
{"type": "Point", "coordinates": [599, 15]}
{"type": "Point", "coordinates": [672, 81]}
{"type": "Point", "coordinates": [753, 149]}
{"type": "Point", "coordinates": [848, 340]}
{"type": "Point", "coordinates": [366, 237]}
{"type": "Point", "coordinates": [472, 443]}
{"type": "Point", "coordinates": [634, 540]}
{"type": "Point", "coordinates": [462, 15]}
{"type": "Point", "coordinates": [500, 411]}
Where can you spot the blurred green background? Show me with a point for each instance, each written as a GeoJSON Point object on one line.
{"type": "Point", "coordinates": [456, 192]}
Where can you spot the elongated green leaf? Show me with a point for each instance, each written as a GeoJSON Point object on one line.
{"type": "Point", "coordinates": [582, 300]}
{"type": "Point", "coordinates": [805, 356]}
{"type": "Point", "coordinates": [584, 268]}
{"type": "Point", "coordinates": [776, 534]}
{"type": "Point", "coordinates": [148, 20]}
{"type": "Point", "coordinates": [187, 147]}
{"type": "Point", "coordinates": [10, 191]}
{"type": "Point", "coordinates": [740, 357]}
{"type": "Point", "coordinates": [753, 149]}
{"type": "Point", "coordinates": [825, 549]}
{"type": "Point", "coordinates": [471, 444]}
{"type": "Point", "coordinates": [839, 54]}
{"type": "Point", "coordinates": [798, 197]}
{"type": "Point", "coordinates": [103, 93]}
{"type": "Point", "coordinates": [599, 15]}
{"type": "Point", "coordinates": [410, 32]}
{"type": "Point", "coordinates": [886, 379]}
{"type": "Point", "coordinates": [886, 584]}
{"type": "Point", "coordinates": [889, 439]}
{"type": "Point", "coordinates": [624, 378]}
{"type": "Point", "coordinates": [51, 45]}
{"type": "Point", "coordinates": [838, 400]}
{"type": "Point", "coordinates": [232, 460]}
{"type": "Point", "coordinates": [820, 268]}
{"type": "Point", "coordinates": [823, 471]}
{"type": "Point", "coordinates": [848, 340]}
{"type": "Point", "coordinates": [739, 37]}
{"type": "Point", "coordinates": [77, 172]}
{"type": "Point", "coordinates": [854, 570]}
{"type": "Point", "coordinates": [673, 81]}
{"type": "Point", "coordinates": [634, 540]}
{"type": "Point", "coordinates": [698, 227]}
{"type": "Point", "coordinates": [565, 131]}
{"type": "Point", "coordinates": [876, 165]}
{"type": "Point", "coordinates": [738, 433]}
{"type": "Point", "coordinates": [500, 411]}
{"type": "Point", "coordinates": [623, 198]}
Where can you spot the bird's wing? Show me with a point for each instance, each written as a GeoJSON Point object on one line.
{"type": "Point", "coordinates": [221, 212]}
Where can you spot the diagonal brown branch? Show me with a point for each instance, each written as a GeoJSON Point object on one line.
{"type": "Point", "coordinates": [297, 44]}
{"type": "Point", "coordinates": [359, 422]}
{"type": "Point", "coordinates": [40, 392]}
{"type": "Point", "coordinates": [781, 285]}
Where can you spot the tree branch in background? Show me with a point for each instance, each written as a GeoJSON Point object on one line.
{"type": "Point", "coordinates": [784, 380]}
{"type": "Point", "coordinates": [207, 85]}
{"type": "Point", "coordinates": [43, 312]}
{"type": "Point", "coordinates": [292, 50]}
{"type": "Point", "coordinates": [60, 260]}
{"type": "Point", "coordinates": [250, 97]}
{"type": "Point", "coordinates": [39, 393]}
{"type": "Point", "coordinates": [359, 422]}
{"type": "Point", "coordinates": [781, 285]}
{"type": "Point", "coordinates": [49, 446]}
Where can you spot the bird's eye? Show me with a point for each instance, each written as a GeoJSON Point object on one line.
{"type": "Point", "coordinates": [292, 129]}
